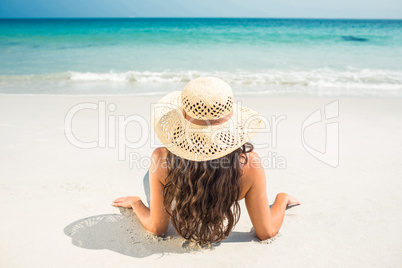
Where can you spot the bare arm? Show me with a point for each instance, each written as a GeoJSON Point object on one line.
{"type": "Point", "coordinates": [266, 221]}
{"type": "Point", "coordinates": [154, 219]}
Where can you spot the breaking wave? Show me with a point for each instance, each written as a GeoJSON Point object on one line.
{"type": "Point", "coordinates": [324, 81]}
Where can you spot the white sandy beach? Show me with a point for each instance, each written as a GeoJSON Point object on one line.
{"type": "Point", "coordinates": [56, 198]}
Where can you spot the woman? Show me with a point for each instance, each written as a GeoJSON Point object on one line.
{"type": "Point", "coordinates": [206, 167]}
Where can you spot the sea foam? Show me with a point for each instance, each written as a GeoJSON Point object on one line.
{"type": "Point", "coordinates": [322, 81]}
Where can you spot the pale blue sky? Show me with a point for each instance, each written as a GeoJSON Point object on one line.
{"type": "Point", "coordinates": [388, 9]}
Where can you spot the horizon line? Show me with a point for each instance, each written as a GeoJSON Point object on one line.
{"type": "Point", "coordinates": [135, 17]}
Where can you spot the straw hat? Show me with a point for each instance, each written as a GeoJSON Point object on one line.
{"type": "Point", "coordinates": [202, 122]}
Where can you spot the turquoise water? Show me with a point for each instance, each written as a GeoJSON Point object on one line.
{"type": "Point", "coordinates": [154, 56]}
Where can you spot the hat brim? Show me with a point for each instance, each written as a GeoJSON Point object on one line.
{"type": "Point", "coordinates": [202, 142]}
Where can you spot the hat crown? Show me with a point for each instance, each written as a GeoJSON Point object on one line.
{"type": "Point", "coordinates": [207, 98]}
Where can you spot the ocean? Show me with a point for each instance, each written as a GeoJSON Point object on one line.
{"type": "Point", "coordinates": [153, 56]}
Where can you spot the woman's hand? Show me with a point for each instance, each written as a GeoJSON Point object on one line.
{"type": "Point", "coordinates": [293, 201]}
{"type": "Point", "coordinates": [126, 202]}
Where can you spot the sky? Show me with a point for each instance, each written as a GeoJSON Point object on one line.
{"type": "Point", "coordinates": [375, 9]}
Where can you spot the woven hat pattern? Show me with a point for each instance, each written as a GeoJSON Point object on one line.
{"type": "Point", "coordinates": [207, 98]}
{"type": "Point", "coordinates": [203, 142]}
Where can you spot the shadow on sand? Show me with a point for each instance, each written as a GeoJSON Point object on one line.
{"type": "Point", "coordinates": [123, 233]}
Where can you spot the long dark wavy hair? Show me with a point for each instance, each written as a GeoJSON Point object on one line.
{"type": "Point", "coordinates": [202, 197]}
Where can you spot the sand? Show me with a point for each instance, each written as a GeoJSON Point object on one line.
{"type": "Point", "coordinates": [56, 198]}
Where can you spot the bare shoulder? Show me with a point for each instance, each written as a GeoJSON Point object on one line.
{"type": "Point", "coordinates": [252, 172]}
{"type": "Point", "coordinates": [159, 158]}
{"type": "Point", "coordinates": [253, 164]}
{"type": "Point", "coordinates": [158, 163]}
{"type": "Point", "coordinates": [160, 152]}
